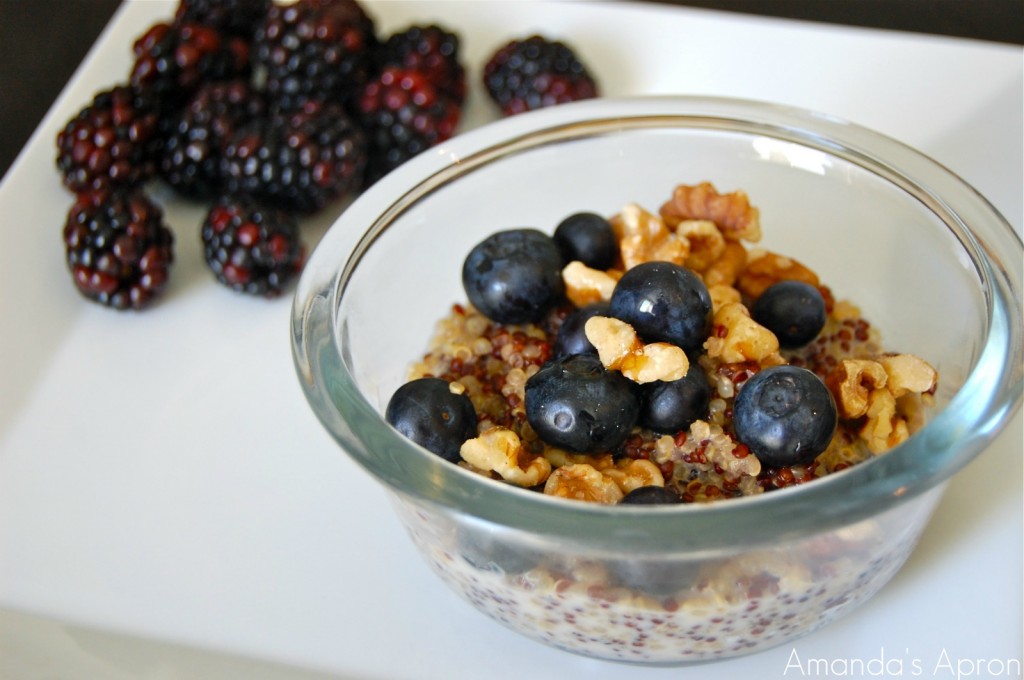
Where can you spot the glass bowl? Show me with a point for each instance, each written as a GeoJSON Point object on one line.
{"type": "Point", "coordinates": [928, 260]}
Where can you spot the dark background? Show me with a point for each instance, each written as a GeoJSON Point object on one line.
{"type": "Point", "coordinates": [43, 41]}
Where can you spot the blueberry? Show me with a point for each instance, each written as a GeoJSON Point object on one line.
{"type": "Point", "coordinates": [576, 404]}
{"type": "Point", "coordinates": [571, 338]}
{"type": "Point", "coordinates": [589, 238]}
{"type": "Point", "coordinates": [785, 415]}
{"type": "Point", "coordinates": [426, 411]}
{"type": "Point", "coordinates": [651, 495]}
{"type": "Point", "coordinates": [514, 276]}
{"type": "Point", "coordinates": [793, 310]}
{"type": "Point", "coordinates": [669, 407]}
{"type": "Point", "coordinates": [664, 302]}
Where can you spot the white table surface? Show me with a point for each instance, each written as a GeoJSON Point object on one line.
{"type": "Point", "coordinates": [169, 506]}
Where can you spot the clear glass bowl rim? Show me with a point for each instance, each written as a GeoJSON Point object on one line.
{"type": "Point", "coordinates": [949, 441]}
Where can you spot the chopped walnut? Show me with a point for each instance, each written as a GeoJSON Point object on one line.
{"type": "Point", "coordinates": [620, 349]}
{"type": "Point", "coordinates": [732, 212]}
{"type": "Point", "coordinates": [499, 450]}
{"type": "Point", "coordinates": [875, 388]}
{"type": "Point", "coordinates": [644, 237]}
{"type": "Point", "coordinates": [766, 268]}
{"type": "Point", "coordinates": [629, 474]}
{"type": "Point", "coordinates": [722, 294]}
{"type": "Point", "coordinates": [584, 285]}
{"type": "Point", "coordinates": [583, 483]}
{"type": "Point", "coordinates": [907, 373]}
{"type": "Point", "coordinates": [736, 337]}
{"type": "Point", "coordinates": [727, 268]}
{"type": "Point", "coordinates": [706, 243]}
{"type": "Point", "coordinates": [884, 428]}
{"type": "Point", "coordinates": [560, 458]}
{"type": "Point", "coordinates": [851, 382]}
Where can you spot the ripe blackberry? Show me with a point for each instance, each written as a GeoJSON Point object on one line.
{"type": "Point", "coordinates": [299, 160]}
{"type": "Point", "coordinates": [314, 49]}
{"type": "Point", "coordinates": [173, 60]}
{"type": "Point", "coordinates": [112, 141]}
{"type": "Point", "coordinates": [195, 137]}
{"type": "Point", "coordinates": [252, 248]}
{"type": "Point", "coordinates": [118, 248]}
{"type": "Point", "coordinates": [403, 113]}
{"type": "Point", "coordinates": [233, 17]}
{"type": "Point", "coordinates": [534, 73]}
{"type": "Point", "coordinates": [431, 50]}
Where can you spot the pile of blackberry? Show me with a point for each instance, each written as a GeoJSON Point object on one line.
{"type": "Point", "coordinates": [273, 110]}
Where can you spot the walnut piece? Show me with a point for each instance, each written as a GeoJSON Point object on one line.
{"type": "Point", "coordinates": [765, 268]}
{"type": "Point", "coordinates": [907, 373]}
{"type": "Point", "coordinates": [582, 482]}
{"type": "Point", "coordinates": [736, 337]}
{"type": "Point", "coordinates": [722, 294]}
{"type": "Point", "coordinates": [732, 212]}
{"type": "Point", "coordinates": [620, 349]}
{"type": "Point", "coordinates": [851, 382]}
{"type": "Point", "coordinates": [884, 428]}
{"type": "Point", "coordinates": [560, 458]}
{"type": "Point", "coordinates": [872, 388]}
{"type": "Point", "coordinates": [644, 237]}
{"type": "Point", "coordinates": [584, 285]}
{"type": "Point", "coordinates": [629, 474]}
{"type": "Point", "coordinates": [706, 243]}
{"type": "Point", "coordinates": [499, 449]}
{"type": "Point", "coordinates": [727, 268]}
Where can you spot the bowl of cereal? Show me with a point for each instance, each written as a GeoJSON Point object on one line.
{"type": "Point", "coordinates": [664, 380]}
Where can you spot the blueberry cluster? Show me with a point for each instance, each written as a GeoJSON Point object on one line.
{"type": "Point", "coordinates": [783, 414]}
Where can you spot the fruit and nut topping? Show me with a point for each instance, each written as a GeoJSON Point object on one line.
{"type": "Point", "coordinates": [656, 358]}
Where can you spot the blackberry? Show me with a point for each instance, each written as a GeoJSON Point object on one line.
{"type": "Point", "coordinates": [402, 114]}
{"type": "Point", "coordinates": [534, 73]}
{"type": "Point", "coordinates": [113, 141]}
{"type": "Point", "coordinates": [297, 161]}
{"type": "Point", "coordinates": [173, 60]}
{"type": "Point", "coordinates": [118, 248]}
{"type": "Point", "coordinates": [233, 17]}
{"type": "Point", "coordinates": [314, 49]}
{"type": "Point", "coordinates": [195, 136]}
{"type": "Point", "coordinates": [431, 50]}
{"type": "Point", "coordinates": [252, 248]}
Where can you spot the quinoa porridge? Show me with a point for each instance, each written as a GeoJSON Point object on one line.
{"type": "Point", "coordinates": [760, 317]}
